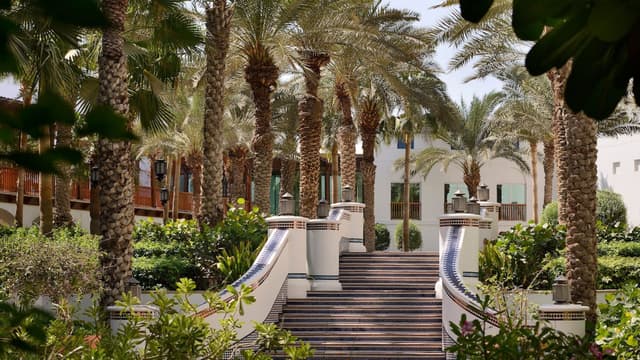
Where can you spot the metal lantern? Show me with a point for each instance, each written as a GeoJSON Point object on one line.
{"type": "Point", "coordinates": [560, 290]}
{"type": "Point", "coordinates": [164, 196]}
{"type": "Point", "coordinates": [160, 168]}
{"type": "Point", "coordinates": [323, 209]}
{"type": "Point", "coordinates": [459, 202]}
{"type": "Point", "coordinates": [286, 204]}
{"type": "Point", "coordinates": [134, 287]}
{"type": "Point", "coordinates": [225, 186]}
{"type": "Point", "coordinates": [473, 207]}
{"type": "Point", "coordinates": [94, 176]}
{"type": "Point", "coordinates": [483, 192]}
{"type": "Point", "coordinates": [347, 193]}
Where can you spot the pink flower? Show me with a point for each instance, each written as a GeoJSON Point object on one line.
{"type": "Point", "coordinates": [467, 328]}
{"type": "Point", "coordinates": [595, 350]}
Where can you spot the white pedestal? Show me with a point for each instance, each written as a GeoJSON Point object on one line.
{"type": "Point", "coordinates": [323, 254]}
{"type": "Point", "coordinates": [568, 318]}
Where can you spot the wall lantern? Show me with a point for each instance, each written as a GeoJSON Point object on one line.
{"type": "Point", "coordinates": [225, 186]}
{"type": "Point", "coordinates": [459, 202]}
{"type": "Point", "coordinates": [483, 192]}
{"type": "Point", "coordinates": [160, 168]}
{"type": "Point", "coordinates": [323, 209]}
{"type": "Point", "coordinates": [560, 290]}
{"type": "Point", "coordinates": [133, 286]}
{"type": "Point", "coordinates": [347, 193]}
{"type": "Point", "coordinates": [94, 176]}
{"type": "Point", "coordinates": [164, 196]}
{"type": "Point", "coordinates": [286, 204]}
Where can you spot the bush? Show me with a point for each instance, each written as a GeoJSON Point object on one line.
{"type": "Point", "coordinates": [524, 250]}
{"type": "Point", "coordinates": [610, 208]}
{"type": "Point", "coordinates": [615, 271]}
{"type": "Point", "coordinates": [162, 271]}
{"type": "Point", "coordinates": [383, 238]}
{"type": "Point", "coordinates": [415, 237]}
{"type": "Point", "coordinates": [550, 214]}
{"type": "Point", "coordinates": [624, 249]}
{"type": "Point", "coordinates": [60, 266]}
{"type": "Point", "coordinates": [618, 328]}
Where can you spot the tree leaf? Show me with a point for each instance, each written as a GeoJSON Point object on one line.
{"type": "Point", "coordinates": [474, 10]}
{"type": "Point", "coordinates": [530, 16]}
{"type": "Point", "coordinates": [67, 12]}
{"type": "Point", "coordinates": [610, 20]}
{"type": "Point", "coordinates": [104, 122]}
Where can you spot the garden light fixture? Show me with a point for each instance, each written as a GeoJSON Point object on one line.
{"type": "Point", "coordinates": [483, 192]}
{"type": "Point", "coordinates": [323, 209]}
{"type": "Point", "coordinates": [459, 202]}
{"type": "Point", "coordinates": [347, 193]}
{"type": "Point", "coordinates": [286, 204]}
{"type": "Point", "coordinates": [160, 168]}
{"type": "Point", "coordinates": [560, 290]}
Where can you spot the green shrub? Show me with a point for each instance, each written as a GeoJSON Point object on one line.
{"type": "Point", "coordinates": [162, 271]}
{"type": "Point", "coordinates": [415, 237]}
{"type": "Point", "coordinates": [524, 250]}
{"type": "Point", "coordinates": [241, 225]}
{"type": "Point", "coordinates": [65, 264]}
{"type": "Point", "coordinates": [615, 271]}
{"type": "Point", "coordinates": [234, 263]}
{"type": "Point", "coordinates": [618, 328]}
{"type": "Point", "coordinates": [618, 248]}
{"type": "Point", "coordinates": [383, 238]}
{"type": "Point", "coordinates": [610, 208]}
{"type": "Point", "coordinates": [550, 214]}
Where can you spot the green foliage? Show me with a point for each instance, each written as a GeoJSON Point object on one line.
{"type": "Point", "coordinates": [600, 39]}
{"type": "Point", "coordinates": [618, 327]}
{"type": "Point", "coordinates": [65, 264]}
{"type": "Point", "coordinates": [515, 340]}
{"type": "Point", "coordinates": [524, 251]}
{"type": "Point", "coordinates": [616, 233]}
{"type": "Point", "coordinates": [177, 332]}
{"type": "Point", "coordinates": [165, 253]}
{"type": "Point", "coordinates": [383, 238]}
{"type": "Point", "coordinates": [615, 271]}
{"type": "Point", "coordinates": [617, 248]}
{"type": "Point", "coordinates": [550, 214]}
{"type": "Point", "coordinates": [610, 209]}
{"type": "Point", "coordinates": [415, 236]}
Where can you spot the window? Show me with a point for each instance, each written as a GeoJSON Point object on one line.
{"type": "Point", "coordinates": [616, 165]}
{"type": "Point", "coordinates": [636, 165]}
{"type": "Point", "coordinates": [401, 144]}
{"type": "Point", "coordinates": [512, 197]}
{"type": "Point", "coordinates": [397, 200]}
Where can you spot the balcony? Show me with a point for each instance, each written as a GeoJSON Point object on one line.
{"type": "Point", "coordinates": [508, 212]}
{"type": "Point", "coordinates": [397, 210]}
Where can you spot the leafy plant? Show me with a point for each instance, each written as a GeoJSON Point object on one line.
{"type": "Point", "coordinates": [618, 328]}
{"type": "Point", "coordinates": [22, 330]}
{"type": "Point", "coordinates": [383, 238]}
{"type": "Point", "coordinates": [234, 263]}
{"type": "Point", "coordinates": [242, 225]}
{"type": "Point", "coordinates": [415, 236]}
{"type": "Point", "coordinates": [65, 264]}
{"type": "Point", "coordinates": [550, 214]}
{"type": "Point", "coordinates": [610, 209]}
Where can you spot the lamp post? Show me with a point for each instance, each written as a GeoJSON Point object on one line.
{"type": "Point", "coordinates": [286, 204]}
{"type": "Point", "coordinates": [560, 290]}
{"type": "Point", "coordinates": [160, 168]}
{"type": "Point", "coordinates": [459, 202]}
{"type": "Point", "coordinates": [323, 209]}
{"type": "Point", "coordinates": [472, 206]}
{"type": "Point", "coordinates": [164, 199]}
{"type": "Point", "coordinates": [347, 193]}
{"type": "Point", "coordinates": [225, 193]}
{"type": "Point", "coordinates": [94, 201]}
{"type": "Point", "coordinates": [483, 192]}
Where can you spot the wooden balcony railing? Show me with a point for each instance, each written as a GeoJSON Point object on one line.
{"type": "Point", "coordinates": [513, 212]}
{"type": "Point", "coordinates": [508, 212]}
{"type": "Point", "coordinates": [397, 210]}
{"type": "Point", "coordinates": [80, 190]}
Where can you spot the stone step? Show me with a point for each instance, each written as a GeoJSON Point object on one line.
{"type": "Point", "coordinates": [387, 286]}
{"type": "Point", "coordinates": [382, 278]}
{"type": "Point", "coordinates": [362, 309]}
{"type": "Point", "coordinates": [346, 301]}
{"type": "Point", "coordinates": [372, 270]}
{"type": "Point", "coordinates": [378, 354]}
{"type": "Point", "coordinates": [323, 327]}
{"type": "Point", "coordinates": [372, 293]}
{"type": "Point", "coordinates": [400, 254]}
{"type": "Point", "coordinates": [434, 335]}
{"type": "Point", "coordinates": [376, 344]}
{"type": "Point", "coordinates": [365, 318]}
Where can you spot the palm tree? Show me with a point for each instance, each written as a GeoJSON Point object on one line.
{"type": "Point", "coordinates": [285, 118]}
{"type": "Point", "coordinates": [525, 114]}
{"type": "Point", "coordinates": [218, 22]}
{"type": "Point", "coordinates": [471, 142]}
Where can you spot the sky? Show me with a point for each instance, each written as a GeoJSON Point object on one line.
{"type": "Point", "coordinates": [456, 85]}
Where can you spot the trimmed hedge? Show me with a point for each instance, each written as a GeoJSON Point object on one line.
{"type": "Point", "coordinates": [383, 237]}
{"type": "Point", "coordinates": [618, 248]}
{"type": "Point", "coordinates": [415, 237]}
{"type": "Point", "coordinates": [615, 271]}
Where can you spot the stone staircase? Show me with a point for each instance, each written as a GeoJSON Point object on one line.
{"type": "Point", "coordinates": [386, 310]}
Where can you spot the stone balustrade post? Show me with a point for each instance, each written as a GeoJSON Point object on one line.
{"type": "Point", "coordinates": [352, 226]}
{"type": "Point", "coordinates": [297, 279]}
{"type": "Point", "coordinates": [323, 254]}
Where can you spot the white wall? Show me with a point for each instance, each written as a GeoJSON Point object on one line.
{"type": "Point", "coordinates": [494, 172]}
{"type": "Point", "coordinates": [624, 150]}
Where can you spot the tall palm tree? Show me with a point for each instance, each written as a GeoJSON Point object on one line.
{"type": "Point", "coordinates": [116, 181]}
{"type": "Point", "coordinates": [218, 22]}
{"type": "Point", "coordinates": [285, 120]}
{"type": "Point", "coordinates": [472, 143]}
{"type": "Point", "coordinates": [525, 114]}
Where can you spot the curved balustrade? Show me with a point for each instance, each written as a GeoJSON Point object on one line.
{"type": "Point", "coordinates": [457, 298]}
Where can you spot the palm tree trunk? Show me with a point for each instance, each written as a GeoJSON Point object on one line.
{"type": "Point", "coordinates": [236, 172]}
{"type": "Point", "coordinates": [262, 74]}
{"type": "Point", "coordinates": [335, 184]}
{"type": "Point", "coordinates": [195, 163]}
{"type": "Point", "coordinates": [346, 137]}
{"type": "Point", "coordinates": [406, 194]}
{"type": "Point", "coordinates": [62, 214]}
{"type": "Point", "coordinates": [369, 121]}
{"type": "Point", "coordinates": [533, 146]}
{"type": "Point", "coordinates": [26, 101]}
{"type": "Point", "coordinates": [576, 145]}
{"type": "Point", "coordinates": [218, 25]}
{"type": "Point", "coordinates": [287, 175]}
{"type": "Point", "coordinates": [471, 177]}
{"type": "Point", "coordinates": [46, 187]}
{"type": "Point", "coordinates": [548, 165]}
{"type": "Point", "coordinates": [176, 187]}
{"type": "Point", "coordinates": [310, 112]}
{"type": "Point", "coordinates": [114, 159]}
